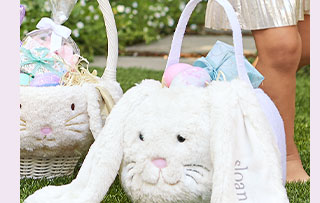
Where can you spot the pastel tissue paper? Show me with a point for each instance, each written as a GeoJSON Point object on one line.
{"type": "Point", "coordinates": [221, 59]}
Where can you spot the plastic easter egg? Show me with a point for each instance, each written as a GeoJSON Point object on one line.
{"type": "Point", "coordinates": [66, 52]}
{"type": "Point", "coordinates": [173, 70]}
{"type": "Point", "coordinates": [194, 76]}
{"type": "Point", "coordinates": [25, 79]}
{"type": "Point", "coordinates": [46, 79]}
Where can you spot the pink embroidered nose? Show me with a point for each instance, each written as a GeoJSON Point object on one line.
{"type": "Point", "coordinates": [159, 163]}
{"type": "Point", "coordinates": [46, 130]}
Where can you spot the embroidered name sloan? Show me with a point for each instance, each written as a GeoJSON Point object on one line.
{"type": "Point", "coordinates": [239, 185]}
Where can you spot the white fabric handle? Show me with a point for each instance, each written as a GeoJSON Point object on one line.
{"type": "Point", "coordinates": [58, 31]}
{"type": "Point", "coordinates": [175, 50]}
{"type": "Point", "coordinates": [112, 34]}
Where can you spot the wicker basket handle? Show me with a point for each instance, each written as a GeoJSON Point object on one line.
{"type": "Point", "coordinates": [112, 34]}
{"type": "Point", "coordinates": [175, 50]}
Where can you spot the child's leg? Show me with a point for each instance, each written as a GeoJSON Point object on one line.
{"type": "Point", "coordinates": [304, 30]}
{"type": "Point", "coordinates": [279, 51]}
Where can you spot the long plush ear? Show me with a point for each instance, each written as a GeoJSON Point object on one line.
{"type": "Point", "coordinates": [94, 109]}
{"type": "Point", "coordinates": [245, 157]}
{"type": "Point", "coordinates": [100, 103]}
{"type": "Point", "coordinates": [102, 163]}
{"type": "Point", "coordinates": [222, 113]}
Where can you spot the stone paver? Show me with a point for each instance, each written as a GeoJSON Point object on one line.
{"type": "Point", "coordinates": [192, 44]}
{"type": "Point", "coordinates": [154, 63]}
{"type": "Point", "coordinates": [199, 44]}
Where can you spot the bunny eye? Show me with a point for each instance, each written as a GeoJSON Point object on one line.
{"type": "Point", "coordinates": [141, 137]}
{"type": "Point", "coordinates": [180, 138]}
{"type": "Point", "coordinates": [72, 106]}
{"type": "Point", "coordinates": [20, 106]}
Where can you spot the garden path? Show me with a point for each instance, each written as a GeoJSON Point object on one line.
{"type": "Point", "coordinates": [154, 55]}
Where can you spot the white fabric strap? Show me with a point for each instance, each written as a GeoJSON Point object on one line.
{"type": "Point", "coordinates": [112, 34]}
{"type": "Point", "coordinates": [175, 50]}
{"type": "Point", "coordinates": [58, 31]}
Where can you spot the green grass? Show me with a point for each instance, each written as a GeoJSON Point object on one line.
{"type": "Point", "coordinates": [300, 192]}
{"type": "Point", "coordinates": [297, 192]}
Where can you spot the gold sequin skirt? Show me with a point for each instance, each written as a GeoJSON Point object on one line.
{"type": "Point", "coordinates": [258, 14]}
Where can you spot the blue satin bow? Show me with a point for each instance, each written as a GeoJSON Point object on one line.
{"type": "Point", "coordinates": [210, 66]}
{"type": "Point", "coordinates": [221, 58]}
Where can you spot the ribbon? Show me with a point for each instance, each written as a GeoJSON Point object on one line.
{"type": "Point", "coordinates": [38, 61]}
{"type": "Point", "coordinates": [22, 14]}
{"type": "Point", "coordinates": [210, 66]}
{"type": "Point", "coordinates": [221, 58]}
{"type": "Point", "coordinates": [58, 31]}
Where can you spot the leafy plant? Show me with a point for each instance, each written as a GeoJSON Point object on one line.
{"type": "Point", "coordinates": [137, 21]}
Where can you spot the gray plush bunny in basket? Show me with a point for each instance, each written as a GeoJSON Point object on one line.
{"type": "Point", "coordinates": [185, 143]}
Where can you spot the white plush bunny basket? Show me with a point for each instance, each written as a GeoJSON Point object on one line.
{"type": "Point", "coordinates": [268, 107]}
{"type": "Point", "coordinates": [58, 124]}
{"type": "Point", "coordinates": [223, 143]}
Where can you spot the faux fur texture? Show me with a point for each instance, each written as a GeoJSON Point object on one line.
{"type": "Point", "coordinates": [113, 88]}
{"type": "Point", "coordinates": [274, 118]}
{"type": "Point", "coordinates": [72, 113]}
{"type": "Point", "coordinates": [146, 124]}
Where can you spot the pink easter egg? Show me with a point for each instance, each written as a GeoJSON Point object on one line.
{"type": "Point", "coordinates": [174, 70]}
{"type": "Point", "coordinates": [66, 52]}
{"type": "Point", "coordinates": [74, 60]}
{"type": "Point", "coordinates": [194, 76]}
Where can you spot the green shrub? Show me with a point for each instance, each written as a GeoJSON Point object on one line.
{"type": "Point", "coordinates": [137, 21]}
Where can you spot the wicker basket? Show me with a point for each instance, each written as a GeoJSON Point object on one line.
{"type": "Point", "coordinates": [33, 167]}
{"type": "Point", "coordinates": [74, 114]}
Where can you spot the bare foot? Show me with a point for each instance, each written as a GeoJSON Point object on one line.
{"type": "Point", "coordinates": [295, 171]}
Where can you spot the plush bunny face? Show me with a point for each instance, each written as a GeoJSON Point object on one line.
{"type": "Point", "coordinates": [54, 118]}
{"type": "Point", "coordinates": [168, 153]}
